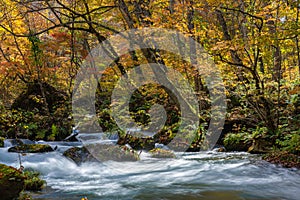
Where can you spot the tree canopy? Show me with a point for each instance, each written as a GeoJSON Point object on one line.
{"type": "Point", "coordinates": [254, 43]}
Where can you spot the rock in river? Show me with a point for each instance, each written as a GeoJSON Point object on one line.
{"type": "Point", "coordinates": [31, 148]}
{"type": "Point", "coordinates": [101, 152]}
{"type": "Point", "coordinates": [79, 155]}
{"type": "Point", "coordinates": [162, 153]}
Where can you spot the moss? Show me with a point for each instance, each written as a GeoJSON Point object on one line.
{"type": "Point", "coordinates": [2, 141]}
{"type": "Point", "coordinates": [105, 152]}
{"type": "Point", "coordinates": [101, 152]}
{"type": "Point", "coordinates": [31, 148]}
{"type": "Point", "coordinates": [33, 181]}
{"type": "Point", "coordinates": [24, 196]}
{"type": "Point", "coordinates": [11, 182]}
{"type": "Point", "coordinates": [161, 153]}
{"type": "Point", "coordinates": [283, 158]}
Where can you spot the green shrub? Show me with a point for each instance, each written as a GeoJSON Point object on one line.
{"type": "Point", "coordinates": [237, 141]}
{"type": "Point", "coordinates": [291, 142]}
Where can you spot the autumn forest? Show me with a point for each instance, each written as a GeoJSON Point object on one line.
{"type": "Point", "coordinates": [254, 44]}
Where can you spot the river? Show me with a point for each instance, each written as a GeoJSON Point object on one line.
{"type": "Point", "coordinates": [203, 175]}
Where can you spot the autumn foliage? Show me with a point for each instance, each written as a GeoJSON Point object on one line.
{"type": "Point", "coordinates": [255, 44]}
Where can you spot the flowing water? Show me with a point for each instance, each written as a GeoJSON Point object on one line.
{"type": "Point", "coordinates": [203, 175]}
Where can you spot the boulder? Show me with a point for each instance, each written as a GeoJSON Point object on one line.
{"type": "Point", "coordinates": [219, 148]}
{"type": "Point", "coordinates": [31, 148]}
{"type": "Point", "coordinates": [162, 153]}
{"type": "Point", "coordinates": [11, 182]}
{"type": "Point", "coordinates": [105, 152]}
{"type": "Point", "coordinates": [101, 152]}
{"type": "Point", "coordinates": [79, 155]}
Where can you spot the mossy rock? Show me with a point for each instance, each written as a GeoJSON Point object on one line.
{"type": "Point", "coordinates": [11, 182]}
{"type": "Point", "coordinates": [32, 181]}
{"type": "Point", "coordinates": [219, 148]}
{"type": "Point", "coordinates": [162, 153]}
{"type": "Point", "coordinates": [237, 142]}
{"type": "Point", "coordinates": [24, 196]}
{"type": "Point", "coordinates": [105, 152]}
{"type": "Point", "coordinates": [79, 155]}
{"type": "Point", "coordinates": [283, 158]}
{"type": "Point", "coordinates": [2, 141]}
{"type": "Point", "coordinates": [101, 152]}
{"type": "Point", "coordinates": [31, 148]}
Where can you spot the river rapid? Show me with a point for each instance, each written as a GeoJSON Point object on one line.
{"type": "Point", "coordinates": [203, 175]}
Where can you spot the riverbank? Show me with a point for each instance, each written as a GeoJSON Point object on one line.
{"type": "Point", "coordinates": [283, 158]}
{"type": "Point", "coordinates": [284, 153]}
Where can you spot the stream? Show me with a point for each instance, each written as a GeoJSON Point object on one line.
{"type": "Point", "coordinates": [203, 175]}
